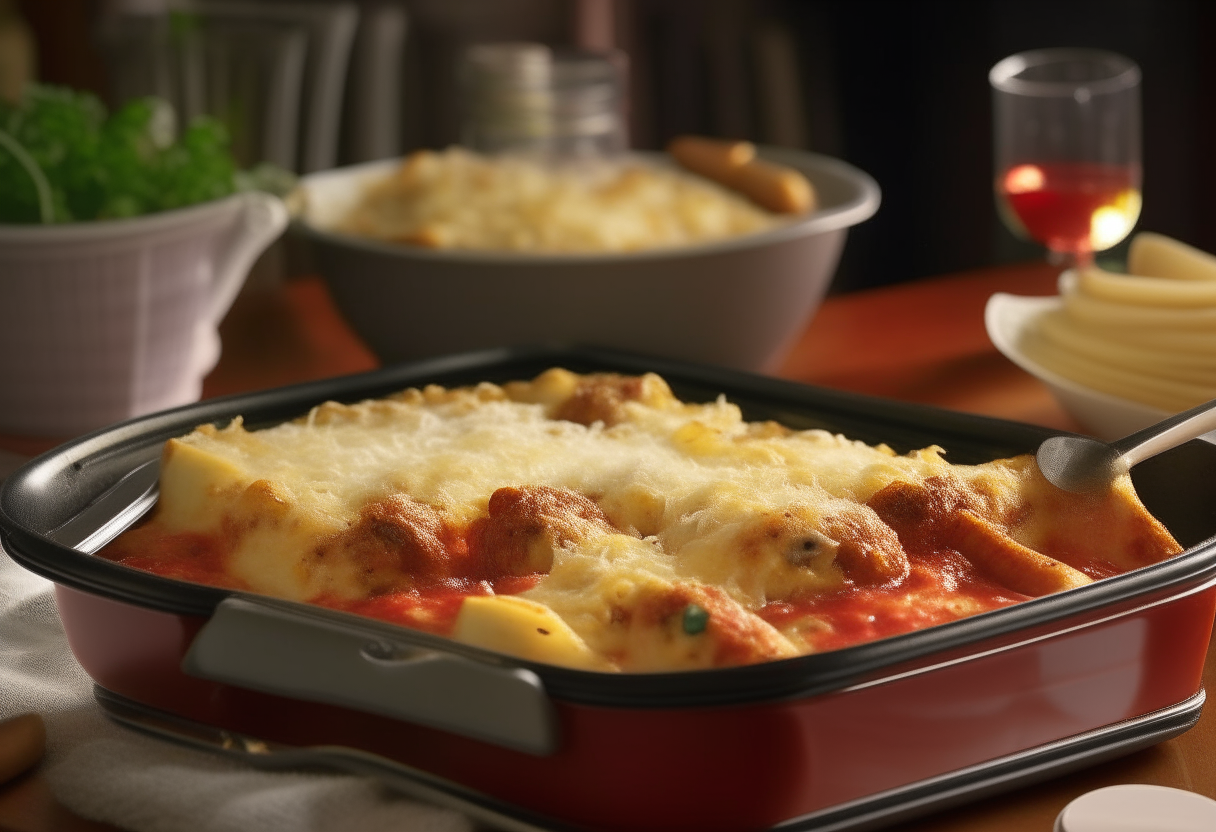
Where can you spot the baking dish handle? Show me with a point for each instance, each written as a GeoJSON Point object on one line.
{"type": "Point", "coordinates": [318, 656]}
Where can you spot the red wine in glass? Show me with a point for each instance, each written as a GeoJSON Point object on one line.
{"type": "Point", "coordinates": [1073, 208]}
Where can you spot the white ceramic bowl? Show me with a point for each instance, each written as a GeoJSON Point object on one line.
{"type": "Point", "coordinates": [1008, 317]}
{"type": "Point", "coordinates": [739, 302]}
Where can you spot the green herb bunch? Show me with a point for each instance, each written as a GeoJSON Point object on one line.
{"type": "Point", "coordinates": [63, 158]}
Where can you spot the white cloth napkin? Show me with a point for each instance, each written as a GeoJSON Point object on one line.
{"type": "Point", "coordinates": [105, 772]}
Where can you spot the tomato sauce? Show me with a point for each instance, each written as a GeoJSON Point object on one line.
{"type": "Point", "coordinates": [431, 608]}
{"type": "Point", "coordinates": [184, 556]}
{"type": "Point", "coordinates": [430, 605]}
{"type": "Point", "coordinates": [942, 586]}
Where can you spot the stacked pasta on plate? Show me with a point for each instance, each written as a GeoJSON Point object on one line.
{"type": "Point", "coordinates": [1148, 336]}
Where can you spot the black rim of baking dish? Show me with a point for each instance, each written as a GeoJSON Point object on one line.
{"type": "Point", "coordinates": [49, 490]}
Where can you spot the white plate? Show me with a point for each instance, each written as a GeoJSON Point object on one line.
{"type": "Point", "coordinates": [1008, 317]}
{"type": "Point", "coordinates": [1138, 806]}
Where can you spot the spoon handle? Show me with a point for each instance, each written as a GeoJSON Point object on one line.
{"type": "Point", "coordinates": [1166, 434]}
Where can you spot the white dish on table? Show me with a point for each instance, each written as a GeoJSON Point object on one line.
{"type": "Point", "coordinates": [1009, 317]}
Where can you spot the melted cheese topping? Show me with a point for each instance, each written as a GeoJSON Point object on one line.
{"type": "Point", "coordinates": [457, 199]}
{"type": "Point", "coordinates": [599, 522]}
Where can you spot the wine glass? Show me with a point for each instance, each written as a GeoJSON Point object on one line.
{"type": "Point", "coordinates": [1067, 148]}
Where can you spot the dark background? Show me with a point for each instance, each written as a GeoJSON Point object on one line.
{"type": "Point", "coordinates": [898, 89]}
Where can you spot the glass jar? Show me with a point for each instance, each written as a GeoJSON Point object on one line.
{"type": "Point", "coordinates": [529, 98]}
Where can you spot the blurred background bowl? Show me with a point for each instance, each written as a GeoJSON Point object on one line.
{"type": "Point", "coordinates": [739, 302]}
{"type": "Point", "coordinates": [1009, 317]}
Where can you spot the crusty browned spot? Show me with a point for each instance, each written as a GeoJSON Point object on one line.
{"type": "Point", "coordinates": [398, 541]}
{"type": "Point", "coordinates": [599, 398]}
{"type": "Point", "coordinates": [869, 551]}
{"type": "Point", "coordinates": [866, 550]}
{"type": "Point", "coordinates": [261, 503]}
{"type": "Point", "coordinates": [789, 535]}
{"type": "Point", "coordinates": [1008, 562]}
{"type": "Point", "coordinates": [919, 513]}
{"type": "Point", "coordinates": [941, 514]}
{"type": "Point", "coordinates": [737, 636]}
{"type": "Point", "coordinates": [525, 524]}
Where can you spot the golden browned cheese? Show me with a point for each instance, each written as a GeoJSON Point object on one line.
{"type": "Point", "coordinates": [456, 199]}
{"type": "Point", "coordinates": [597, 521]}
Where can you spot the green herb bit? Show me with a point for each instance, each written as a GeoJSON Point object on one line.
{"type": "Point", "coordinates": [95, 165]}
{"type": "Point", "coordinates": [46, 206]}
{"type": "Point", "coordinates": [695, 620]}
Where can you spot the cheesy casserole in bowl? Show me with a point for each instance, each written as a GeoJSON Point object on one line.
{"type": "Point", "coordinates": [456, 199]}
{"type": "Point", "coordinates": [661, 278]}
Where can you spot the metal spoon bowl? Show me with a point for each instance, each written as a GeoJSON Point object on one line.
{"type": "Point", "coordinates": [1081, 464]}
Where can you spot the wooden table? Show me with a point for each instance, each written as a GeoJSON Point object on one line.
{"type": "Point", "coordinates": [922, 341]}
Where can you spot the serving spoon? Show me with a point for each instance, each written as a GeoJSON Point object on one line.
{"type": "Point", "coordinates": [1080, 464]}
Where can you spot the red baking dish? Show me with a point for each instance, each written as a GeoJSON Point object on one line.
{"type": "Point", "coordinates": [850, 739]}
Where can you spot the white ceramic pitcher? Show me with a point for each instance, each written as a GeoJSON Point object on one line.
{"type": "Point", "coordinates": [101, 321]}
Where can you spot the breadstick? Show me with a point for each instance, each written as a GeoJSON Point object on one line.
{"type": "Point", "coordinates": [780, 189]}
{"type": "Point", "coordinates": [776, 188]}
{"type": "Point", "coordinates": [713, 159]}
{"type": "Point", "coordinates": [22, 743]}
